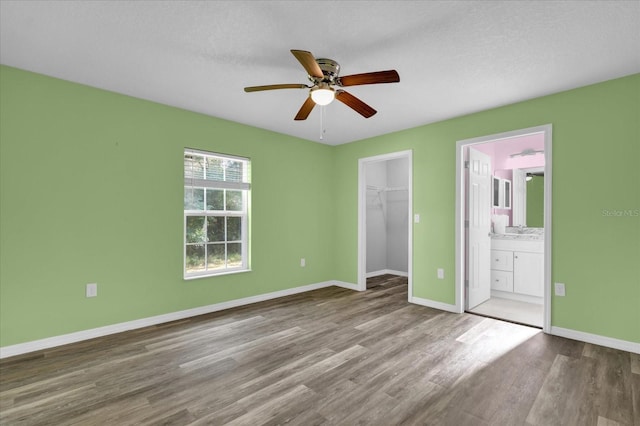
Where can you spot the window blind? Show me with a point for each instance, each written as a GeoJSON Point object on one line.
{"type": "Point", "coordinates": [215, 171]}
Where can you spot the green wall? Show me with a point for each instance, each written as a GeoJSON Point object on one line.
{"type": "Point", "coordinates": [535, 202]}
{"type": "Point", "coordinates": [91, 191]}
{"type": "Point", "coordinates": [595, 253]}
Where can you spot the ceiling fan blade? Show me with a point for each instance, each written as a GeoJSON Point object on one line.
{"type": "Point", "coordinates": [354, 103]}
{"type": "Point", "coordinates": [275, 86]}
{"type": "Point", "coordinates": [308, 62]}
{"type": "Point", "coordinates": [390, 76]}
{"type": "Point", "coordinates": [305, 110]}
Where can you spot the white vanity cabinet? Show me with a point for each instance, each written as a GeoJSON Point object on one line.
{"type": "Point", "coordinates": [517, 269]}
{"type": "Point", "coordinates": [528, 273]}
{"type": "Point", "coordinates": [502, 270]}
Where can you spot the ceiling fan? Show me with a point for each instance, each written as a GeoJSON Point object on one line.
{"type": "Point", "coordinates": [323, 73]}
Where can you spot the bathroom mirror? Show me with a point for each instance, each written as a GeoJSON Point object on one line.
{"type": "Point", "coordinates": [528, 197]}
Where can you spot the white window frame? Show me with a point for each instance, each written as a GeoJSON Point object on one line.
{"type": "Point", "coordinates": [245, 188]}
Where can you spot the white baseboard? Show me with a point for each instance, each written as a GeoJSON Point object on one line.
{"type": "Point", "coordinates": [385, 272]}
{"type": "Point", "coordinates": [623, 345]}
{"type": "Point", "coordinates": [517, 296]}
{"type": "Point", "coordinates": [346, 285]}
{"type": "Point", "coordinates": [595, 339]}
{"type": "Point", "coordinates": [50, 342]}
{"type": "Point", "coordinates": [436, 305]}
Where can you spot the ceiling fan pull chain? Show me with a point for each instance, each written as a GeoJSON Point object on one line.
{"type": "Point", "coordinates": [322, 130]}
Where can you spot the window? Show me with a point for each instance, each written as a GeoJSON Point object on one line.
{"type": "Point", "coordinates": [216, 195]}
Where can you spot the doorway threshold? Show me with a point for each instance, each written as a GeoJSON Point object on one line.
{"type": "Point", "coordinates": [522, 313]}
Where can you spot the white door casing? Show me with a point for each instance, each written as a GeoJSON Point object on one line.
{"type": "Point", "coordinates": [461, 207]}
{"type": "Point", "coordinates": [362, 226]}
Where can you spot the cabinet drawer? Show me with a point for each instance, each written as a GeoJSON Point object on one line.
{"type": "Point", "coordinates": [502, 260]}
{"type": "Point", "coordinates": [501, 280]}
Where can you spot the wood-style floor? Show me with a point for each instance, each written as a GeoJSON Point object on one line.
{"type": "Point", "coordinates": [327, 357]}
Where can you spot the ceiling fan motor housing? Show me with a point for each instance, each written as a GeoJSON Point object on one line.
{"type": "Point", "coordinates": [330, 69]}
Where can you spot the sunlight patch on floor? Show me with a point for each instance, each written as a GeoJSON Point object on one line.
{"type": "Point", "coordinates": [492, 338]}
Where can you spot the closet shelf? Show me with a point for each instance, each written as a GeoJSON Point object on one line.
{"type": "Point", "coordinates": [384, 188]}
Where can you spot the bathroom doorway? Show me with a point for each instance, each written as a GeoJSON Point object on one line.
{"type": "Point", "coordinates": [503, 237]}
{"type": "Point", "coordinates": [384, 225]}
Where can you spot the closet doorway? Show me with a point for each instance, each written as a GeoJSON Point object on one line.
{"type": "Point", "coordinates": [384, 213]}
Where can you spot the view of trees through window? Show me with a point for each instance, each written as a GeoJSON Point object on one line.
{"type": "Point", "coordinates": [215, 213]}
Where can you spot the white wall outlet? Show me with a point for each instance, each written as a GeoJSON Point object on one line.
{"type": "Point", "coordinates": [560, 289]}
{"type": "Point", "coordinates": [303, 262]}
{"type": "Point", "coordinates": [440, 273]}
{"type": "Point", "coordinates": [92, 290]}
{"type": "Point", "coordinates": [416, 218]}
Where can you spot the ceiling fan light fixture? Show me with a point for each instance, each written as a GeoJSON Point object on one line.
{"type": "Point", "coordinates": [327, 86]}
{"type": "Point", "coordinates": [323, 95]}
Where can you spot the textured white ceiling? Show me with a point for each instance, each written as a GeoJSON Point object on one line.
{"type": "Point", "coordinates": [453, 57]}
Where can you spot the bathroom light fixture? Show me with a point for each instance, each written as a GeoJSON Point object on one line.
{"type": "Point", "coordinates": [526, 152]}
{"type": "Point", "coordinates": [323, 95]}
{"type": "Point", "coordinates": [529, 177]}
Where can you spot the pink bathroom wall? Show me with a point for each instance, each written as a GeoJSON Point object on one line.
{"type": "Point", "coordinates": [500, 152]}
{"type": "Point", "coordinates": [504, 149]}
{"type": "Point", "coordinates": [502, 163]}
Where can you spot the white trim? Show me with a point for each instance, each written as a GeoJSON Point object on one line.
{"type": "Point", "coordinates": [216, 184]}
{"type": "Point", "coordinates": [385, 272]}
{"type": "Point", "coordinates": [226, 272]}
{"type": "Point", "coordinates": [215, 154]}
{"type": "Point", "coordinates": [434, 304]}
{"type": "Point", "coordinates": [50, 342]}
{"type": "Point", "coordinates": [460, 214]}
{"type": "Point", "coordinates": [460, 229]}
{"type": "Point", "coordinates": [362, 209]}
{"type": "Point", "coordinates": [548, 171]}
{"type": "Point", "coordinates": [596, 339]}
{"type": "Point", "coordinates": [348, 286]}
{"type": "Point", "coordinates": [517, 296]}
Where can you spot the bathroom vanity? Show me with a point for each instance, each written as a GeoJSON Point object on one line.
{"type": "Point", "coordinates": [517, 265]}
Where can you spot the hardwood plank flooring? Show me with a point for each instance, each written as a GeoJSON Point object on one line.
{"type": "Point", "coordinates": [327, 357]}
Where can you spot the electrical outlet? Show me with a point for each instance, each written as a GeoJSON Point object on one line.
{"type": "Point", "coordinates": [440, 273]}
{"type": "Point", "coordinates": [560, 289]}
{"type": "Point", "coordinates": [416, 218]}
{"type": "Point", "coordinates": [303, 262]}
{"type": "Point", "coordinates": [91, 290]}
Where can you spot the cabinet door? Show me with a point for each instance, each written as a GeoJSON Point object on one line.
{"type": "Point", "coordinates": [528, 273]}
{"type": "Point", "coordinates": [502, 280]}
{"type": "Point", "coordinates": [506, 193]}
{"type": "Point", "coordinates": [502, 260]}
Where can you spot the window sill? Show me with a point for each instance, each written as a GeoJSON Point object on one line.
{"type": "Point", "coordinates": [216, 274]}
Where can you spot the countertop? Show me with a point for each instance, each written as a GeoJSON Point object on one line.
{"type": "Point", "coordinates": [521, 234]}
